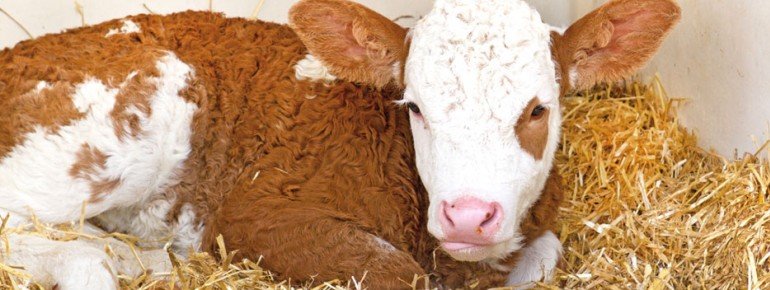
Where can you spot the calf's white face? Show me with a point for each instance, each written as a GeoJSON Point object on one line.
{"type": "Point", "coordinates": [481, 84]}
{"type": "Point", "coordinates": [482, 79]}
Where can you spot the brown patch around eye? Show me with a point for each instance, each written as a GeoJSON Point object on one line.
{"type": "Point", "coordinates": [532, 131]}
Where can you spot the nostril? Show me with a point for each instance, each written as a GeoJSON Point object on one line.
{"type": "Point", "coordinates": [489, 217]}
{"type": "Point", "coordinates": [447, 217]}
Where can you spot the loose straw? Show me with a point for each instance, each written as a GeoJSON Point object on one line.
{"type": "Point", "coordinates": [255, 13]}
{"type": "Point", "coordinates": [17, 22]}
{"type": "Point", "coordinates": [79, 9]}
{"type": "Point", "coordinates": [148, 8]}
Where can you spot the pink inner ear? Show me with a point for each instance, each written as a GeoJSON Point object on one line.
{"type": "Point", "coordinates": [352, 49]}
{"type": "Point", "coordinates": [612, 42]}
{"type": "Point", "coordinates": [622, 27]}
{"type": "Point", "coordinates": [627, 25]}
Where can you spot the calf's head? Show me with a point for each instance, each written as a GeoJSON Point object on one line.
{"type": "Point", "coordinates": [482, 80]}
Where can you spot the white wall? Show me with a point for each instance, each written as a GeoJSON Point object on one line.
{"type": "Point", "coordinates": [275, 10]}
{"type": "Point", "coordinates": [554, 12]}
{"type": "Point", "coordinates": [718, 57]}
{"type": "Point", "coordinates": [47, 16]}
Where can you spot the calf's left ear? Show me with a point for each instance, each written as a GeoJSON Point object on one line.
{"type": "Point", "coordinates": [354, 42]}
{"type": "Point", "coordinates": [613, 41]}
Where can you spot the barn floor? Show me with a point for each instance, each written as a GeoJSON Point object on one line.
{"type": "Point", "coordinates": [645, 207]}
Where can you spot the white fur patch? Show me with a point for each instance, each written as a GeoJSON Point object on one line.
{"type": "Point", "coordinates": [127, 28]}
{"type": "Point", "coordinates": [472, 69]}
{"type": "Point", "coordinates": [311, 68]}
{"type": "Point", "coordinates": [148, 221]}
{"type": "Point", "coordinates": [35, 177]}
{"type": "Point", "coordinates": [41, 85]}
{"type": "Point", "coordinates": [537, 261]}
{"type": "Point", "coordinates": [383, 244]}
{"type": "Point", "coordinates": [188, 233]}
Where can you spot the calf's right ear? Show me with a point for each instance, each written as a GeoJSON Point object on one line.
{"type": "Point", "coordinates": [354, 42]}
{"type": "Point", "coordinates": [613, 41]}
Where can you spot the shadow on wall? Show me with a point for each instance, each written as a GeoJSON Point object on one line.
{"type": "Point", "coordinates": [718, 60]}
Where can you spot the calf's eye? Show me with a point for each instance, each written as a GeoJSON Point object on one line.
{"type": "Point", "coordinates": [538, 112]}
{"type": "Point", "coordinates": [413, 107]}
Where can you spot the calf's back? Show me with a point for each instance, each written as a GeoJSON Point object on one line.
{"type": "Point", "coordinates": [260, 140]}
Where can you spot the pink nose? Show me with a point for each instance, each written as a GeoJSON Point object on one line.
{"type": "Point", "coordinates": [470, 220]}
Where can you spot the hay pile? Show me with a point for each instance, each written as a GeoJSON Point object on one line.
{"type": "Point", "coordinates": [645, 207]}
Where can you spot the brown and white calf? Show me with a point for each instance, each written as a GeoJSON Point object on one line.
{"type": "Point", "coordinates": [339, 146]}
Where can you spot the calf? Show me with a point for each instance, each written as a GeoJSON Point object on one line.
{"type": "Point", "coordinates": [339, 147]}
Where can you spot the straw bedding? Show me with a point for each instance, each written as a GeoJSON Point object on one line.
{"type": "Point", "coordinates": [645, 208]}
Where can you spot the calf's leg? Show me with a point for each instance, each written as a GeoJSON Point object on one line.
{"type": "Point", "coordinates": [66, 265]}
{"type": "Point", "coordinates": [78, 264]}
{"type": "Point", "coordinates": [307, 243]}
{"type": "Point", "coordinates": [131, 262]}
{"type": "Point", "coordinates": [537, 261]}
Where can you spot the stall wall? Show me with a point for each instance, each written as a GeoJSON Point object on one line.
{"type": "Point", "coordinates": [718, 57]}
{"type": "Point", "coordinates": [47, 16]}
